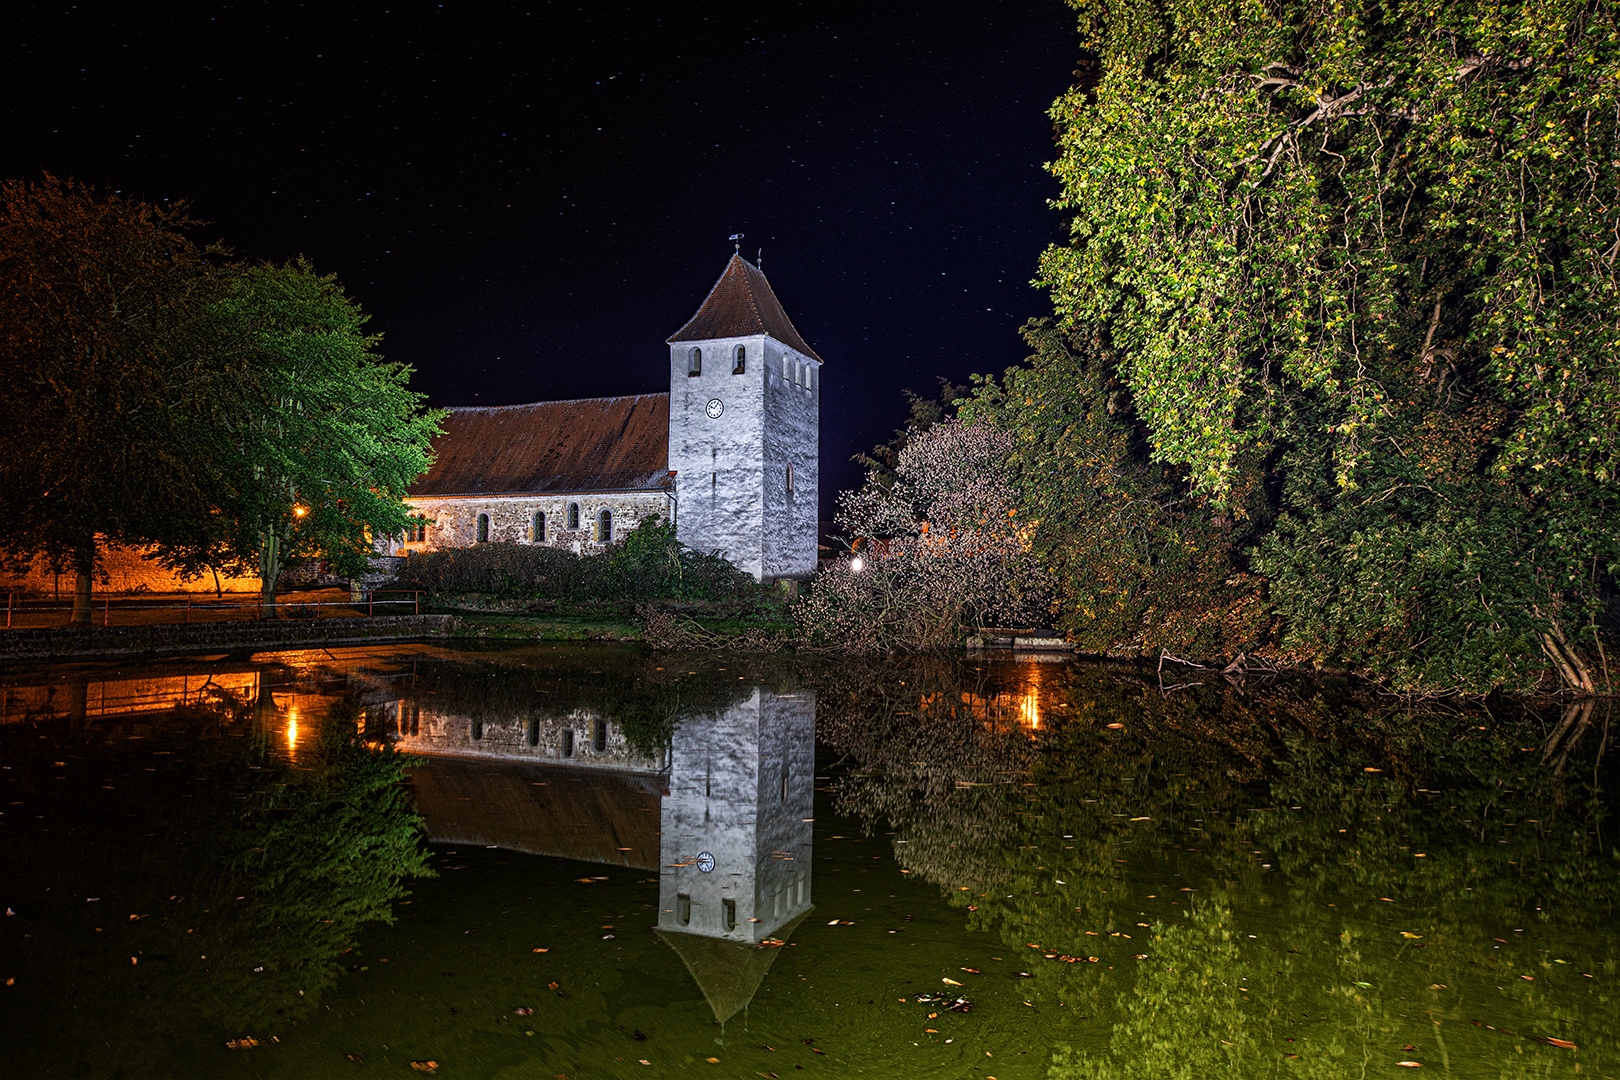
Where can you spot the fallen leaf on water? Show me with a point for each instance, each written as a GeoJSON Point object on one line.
{"type": "Point", "coordinates": [1031, 1004]}
{"type": "Point", "coordinates": [1565, 1043]}
{"type": "Point", "coordinates": [1528, 978]}
{"type": "Point", "coordinates": [542, 950]}
{"type": "Point", "coordinates": [1410, 1064]}
{"type": "Point", "coordinates": [833, 923]}
{"type": "Point", "coordinates": [523, 1012]}
{"type": "Point", "coordinates": [1437, 986]}
{"type": "Point", "coordinates": [1290, 1055]}
{"type": "Point", "coordinates": [712, 1061]}
{"type": "Point", "coordinates": [361, 1058]}
{"type": "Point", "coordinates": [930, 1031]}
{"type": "Point", "coordinates": [971, 971]}
{"type": "Point", "coordinates": [1140, 956]}
{"type": "Point", "coordinates": [584, 880]}
{"type": "Point", "coordinates": [247, 1042]}
{"type": "Point", "coordinates": [1409, 934]}
{"type": "Point", "coordinates": [644, 1061]}
{"type": "Point", "coordinates": [767, 1076]}
{"type": "Point", "coordinates": [1116, 727]}
{"type": "Point", "coordinates": [950, 982]}
{"type": "Point", "coordinates": [1024, 975]}
{"type": "Point", "coordinates": [425, 1066]}
{"type": "Point", "coordinates": [551, 986]}
{"type": "Point", "coordinates": [1369, 768]}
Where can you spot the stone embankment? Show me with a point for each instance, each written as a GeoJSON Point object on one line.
{"type": "Point", "coordinates": [60, 642]}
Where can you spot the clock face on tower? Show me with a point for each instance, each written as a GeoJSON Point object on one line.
{"type": "Point", "coordinates": [715, 408]}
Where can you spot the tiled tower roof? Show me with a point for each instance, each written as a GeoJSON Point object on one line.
{"type": "Point", "coordinates": [741, 304]}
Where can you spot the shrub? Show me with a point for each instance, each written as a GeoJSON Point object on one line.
{"type": "Point", "coordinates": [648, 564]}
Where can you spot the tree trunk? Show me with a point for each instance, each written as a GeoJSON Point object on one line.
{"type": "Point", "coordinates": [1570, 667]}
{"type": "Point", "coordinates": [269, 570]}
{"type": "Point", "coordinates": [84, 567]}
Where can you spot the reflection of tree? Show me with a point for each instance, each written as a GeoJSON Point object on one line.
{"type": "Point", "coordinates": [234, 880]}
{"type": "Point", "coordinates": [926, 762]}
{"type": "Point", "coordinates": [1303, 815]}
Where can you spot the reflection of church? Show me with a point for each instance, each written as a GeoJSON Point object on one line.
{"type": "Point", "coordinates": [725, 810]}
{"type": "Point", "coordinates": [736, 843]}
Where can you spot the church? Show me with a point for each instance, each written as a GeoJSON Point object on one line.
{"type": "Point", "coordinates": [729, 453]}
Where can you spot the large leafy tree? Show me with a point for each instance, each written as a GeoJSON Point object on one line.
{"type": "Point", "coordinates": [319, 444]}
{"type": "Point", "coordinates": [1360, 258]}
{"type": "Point", "coordinates": [108, 357]}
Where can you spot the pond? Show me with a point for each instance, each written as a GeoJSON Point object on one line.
{"type": "Point", "coordinates": [602, 862]}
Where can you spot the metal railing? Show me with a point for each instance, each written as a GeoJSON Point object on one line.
{"type": "Point", "coordinates": [17, 606]}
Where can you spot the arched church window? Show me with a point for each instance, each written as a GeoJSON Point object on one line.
{"type": "Point", "coordinates": [483, 528]}
{"type": "Point", "coordinates": [539, 533]}
{"type": "Point", "coordinates": [694, 362]}
{"type": "Point", "coordinates": [604, 526]}
{"type": "Point", "coordinates": [573, 515]}
{"type": "Point", "coordinates": [742, 360]}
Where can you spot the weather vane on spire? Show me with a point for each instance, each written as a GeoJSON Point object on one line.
{"type": "Point", "coordinates": [736, 241]}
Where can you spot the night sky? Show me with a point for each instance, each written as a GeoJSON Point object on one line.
{"type": "Point", "coordinates": [529, 199]}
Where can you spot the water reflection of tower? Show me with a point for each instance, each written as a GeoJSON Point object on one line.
{"type": "Point", "coordinates": [736, 840]}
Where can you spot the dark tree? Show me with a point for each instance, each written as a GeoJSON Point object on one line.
{"type": "Point", "coordinates": [108, 357]}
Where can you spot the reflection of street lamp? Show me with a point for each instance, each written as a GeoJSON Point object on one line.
{"type": "Point", "coordinates": [856, 564]}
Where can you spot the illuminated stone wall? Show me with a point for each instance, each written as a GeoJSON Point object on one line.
{"type": "Point", "coordinates": [453, 520]}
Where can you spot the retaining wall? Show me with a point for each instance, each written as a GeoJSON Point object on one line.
{"type": "Point", "coordinates": [60, 642]}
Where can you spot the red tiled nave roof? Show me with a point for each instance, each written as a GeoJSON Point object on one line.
{"type": "Point", "coordinates": [591, 444]}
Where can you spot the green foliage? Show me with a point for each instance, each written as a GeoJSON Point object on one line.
{"type": "Point", "coordinates": [316, 449]}
{"type": "Point", "coordinates": [647, 564]}
{"type": "Point", "coordinates": [1139, 562]}
{"type": "Point", "coordinates": [1352, 267]}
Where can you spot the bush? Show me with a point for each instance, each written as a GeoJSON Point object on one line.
{"type": "Point", "coordinates": [648, 564]}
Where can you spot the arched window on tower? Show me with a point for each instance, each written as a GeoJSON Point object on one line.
{"type": "Point", "coordinates": [742, 360]}
{"type": "Point", "coordinates": [538, 535]}
{"type": "Point", "coordinates": [694, 362]}
{"type": "Point", "coordinates": [483, 528]}
{"type": "Point", "coordinates": [604, 526]}
{"type": "Point", "coordinates": [573, 515]}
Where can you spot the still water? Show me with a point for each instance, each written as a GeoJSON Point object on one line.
{"type": "Point", "coordinates": [569, 862]}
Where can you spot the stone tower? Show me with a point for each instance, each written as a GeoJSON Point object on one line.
{"type": "Point", "coordinates": [744, 429]}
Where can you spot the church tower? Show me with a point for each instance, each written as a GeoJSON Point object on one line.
{"type": "Point", "coordinates": [744, 429]}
